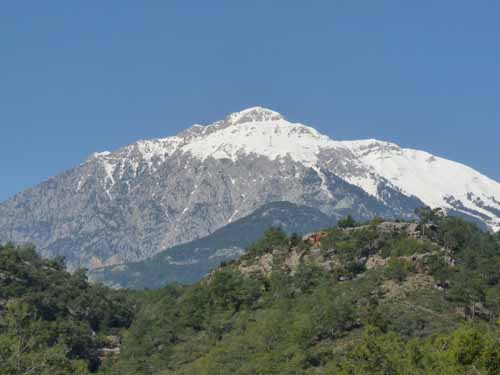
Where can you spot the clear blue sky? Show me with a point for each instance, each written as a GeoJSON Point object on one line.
{"type": "Point", "coordinates": [85, 76]}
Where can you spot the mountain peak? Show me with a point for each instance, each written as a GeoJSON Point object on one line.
{"type": "Point", "coordinates": [254, 114]}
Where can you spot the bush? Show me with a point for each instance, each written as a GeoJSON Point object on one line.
{"type": "Point", "coordinates": [347, 222]}
{"type": "Point", "coordinates": [398, 269]}
{"type": "Point", "coordinates": [404, 246]}
{"type": "Point", "coordinates": [273, 238]}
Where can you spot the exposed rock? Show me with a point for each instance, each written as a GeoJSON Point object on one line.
{"type": "Point", "coordinates": [375, 261]}
{"type": "Point", "coordinates": [314, 239]}
{"type": "Point", "coordinates": [95, 262]}
{"type": "Point", "coordinates": [111, 349]}
{"type": "Point", "coordinates": [293, 260]}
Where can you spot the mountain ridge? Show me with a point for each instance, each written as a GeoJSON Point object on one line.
{"type": "Point", "coordinates": [130, 204]}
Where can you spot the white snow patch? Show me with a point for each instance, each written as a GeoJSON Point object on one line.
{"type": "Point", "coordinates": [430, 178]}
{"type": "Point", "coordinates": [270, 139]}
{"type": "Point", "coordinates": [236, 212]}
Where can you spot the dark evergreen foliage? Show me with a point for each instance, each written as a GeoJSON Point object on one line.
{"type": "Point", "coordinates": [63, 315]}
{"type": "Point", "coordinates": [431, 306]}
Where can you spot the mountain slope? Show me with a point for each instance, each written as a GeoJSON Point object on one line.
{"type": "Point", "coordinates": [130, 204]}
{"type": "Point", "coordinates": [188, 263]}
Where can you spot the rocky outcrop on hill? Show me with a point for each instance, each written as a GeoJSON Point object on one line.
{"type": "Point", "coordinates": [316, 251]}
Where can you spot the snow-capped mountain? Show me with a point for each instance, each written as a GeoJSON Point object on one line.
{"type": "Point", "coordinates": [435, 181]}
{"type": "Point", "coordinates": [132, 203]}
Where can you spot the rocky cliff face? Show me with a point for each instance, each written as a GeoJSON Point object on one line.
{"type": "Point", "coordinates": [133, 203]}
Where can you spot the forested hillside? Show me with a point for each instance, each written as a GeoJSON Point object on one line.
{"type": "Point", "coordinates": [379, 298]}
{"type": "Point", "coordinates": [383, 298]}
{"type": "Point", "coordinates": [51, 321]}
